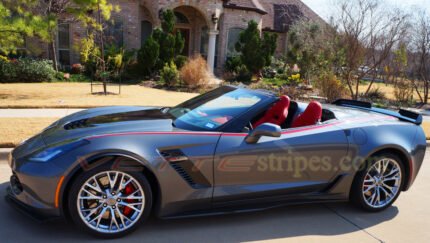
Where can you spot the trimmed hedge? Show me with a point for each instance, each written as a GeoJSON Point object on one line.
{"type": "Point", "coordinates": [26, 70]}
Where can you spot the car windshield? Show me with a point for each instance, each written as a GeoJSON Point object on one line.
{"type": "Point", "coordinates": [210, 111]}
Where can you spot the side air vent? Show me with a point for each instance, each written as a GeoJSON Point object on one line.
{"type": "Point", "coordinates": [76, 124]}
{"type": "Point", "coordinates": [179, 168]}
{"type": "Point", "coordinates": [185, 168]}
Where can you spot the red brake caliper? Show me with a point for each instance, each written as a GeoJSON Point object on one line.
{"type": "Point", "coordinates": [127, 191]}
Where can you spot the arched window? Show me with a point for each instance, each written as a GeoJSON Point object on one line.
{"type": "Point", "coordinates": [233, 38]}
{"type": "Point", "coordinates": [181, 18]}
{"type": "Point", "coordinates": [146, 31]}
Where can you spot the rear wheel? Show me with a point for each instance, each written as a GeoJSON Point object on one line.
{"type": "Point", "coordinates": [377, 186]}
{"type": "Point", "coordinates": [110, 203]}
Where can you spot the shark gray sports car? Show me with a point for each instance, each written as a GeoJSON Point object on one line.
{"type": "Point", "coordinates": [229, 150]}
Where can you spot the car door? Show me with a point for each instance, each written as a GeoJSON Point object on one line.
{"type": "Point", "coordinates": [301, 160]}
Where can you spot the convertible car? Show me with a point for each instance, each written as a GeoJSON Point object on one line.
{"type": "Point", "coordinates": [229, 150]}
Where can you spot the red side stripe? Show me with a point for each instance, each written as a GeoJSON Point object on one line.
{"type": "Point", "coordinates": [155, 133]}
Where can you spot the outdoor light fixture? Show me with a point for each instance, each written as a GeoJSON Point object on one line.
{"type": "Point", "coordinates": [215, 18]}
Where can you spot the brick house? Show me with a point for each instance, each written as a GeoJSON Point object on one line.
{"type": "Point", "coordinates": [210, 27]}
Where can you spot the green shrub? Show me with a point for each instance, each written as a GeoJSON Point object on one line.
{"type": "Point", "coordinates": [276, 82]}
{"type": "Point", "coordinates": [171, 43]}
{"type": "Point", "coordinates": [330, 86]}
{"type": "Point", "coordinates": [59, 76]}
{"type": "Point", "coordinates": [269, 72]}
{"type": "Point", "coordinates": [236, 68]}
{"type": "Point", "coordinates": [147, 56]}
{"type": "Point", "coordinates": [263, 85]}
{"type": "Point", "coordinates": [3, 58]}
{"type": "Point", "coordinates": [403, 93]}
{"type": "Point", "coordinates": [283, 76]}
{"type": "Point", "coordinates": [256, 50]}
{"type": "Point", "coordinates": [244, 75]}
{"type": "Point", "coordinates": [180, 61]}
{"type": "Point", "coordinates": [89, 53]}
{"type": "Point", "coordinates": [277, 67]}
{"type": "Point", "coordinates": [26, 70]}
{"type": "Point", "coordinates": [78, 78]}
{"type": "Point", "coordinates": [117, 61]}
{"type": "Point", "coordinates": [233, 64]}
{"type": "Point", "coordinates": [169, 74]}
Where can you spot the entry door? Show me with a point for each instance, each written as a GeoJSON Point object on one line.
{"type": "Point", "coordinates": [186, 35]}
{"type": "Point", "coordinates": [302, 160]}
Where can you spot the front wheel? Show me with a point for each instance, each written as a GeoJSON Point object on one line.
{"type": "Point", "coordinates": [376, 187]}
{"type": "Point", "coordinates": [109, 203]}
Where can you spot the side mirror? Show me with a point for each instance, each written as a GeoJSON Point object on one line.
{"type": "Point", "coordinates": [265, 129]}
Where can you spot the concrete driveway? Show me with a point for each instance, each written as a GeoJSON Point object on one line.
{"type": "Point", "coordinates": [407, 221]}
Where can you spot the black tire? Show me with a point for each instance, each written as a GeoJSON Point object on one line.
{"type": "Point", "coordinates": [83, 177]}
{"type": "Point", "coordinates": [356, 193]}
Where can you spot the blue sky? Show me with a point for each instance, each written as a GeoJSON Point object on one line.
{"type": "Point", "coordinates": [323, 7]}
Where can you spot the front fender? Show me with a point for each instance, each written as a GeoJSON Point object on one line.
{"type": "Point", "coordinates": [89, 161]}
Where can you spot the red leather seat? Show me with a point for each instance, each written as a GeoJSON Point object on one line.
{"type": "Point", "coordinates": [311, 116]}
{"type": "Point", "coordinates": [276, 114]}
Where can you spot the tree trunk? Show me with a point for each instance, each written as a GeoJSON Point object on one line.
{"type": "Point", "coordinates": [102, 51]}
{"type": "Point", "coordinates": [53, 50]}
{"type": "Point", "coordinates": [418, 92]}
{"type": "Point", "coordinates": [371, 83]}
{"type": "Point", "coordinates": [356, 88]}
{"type": "Point", "coordinates": [348, 81]}
{"type": "Point", "coordinates": [426, 91]}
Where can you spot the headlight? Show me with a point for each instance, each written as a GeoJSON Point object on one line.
{"type": "Point", "coordinates": [50, 153]}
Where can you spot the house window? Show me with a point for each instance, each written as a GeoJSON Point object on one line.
{"type": "Point", "coordinates": [233, 38]}
{"type": "Point", "coordinates": [63, 43]}
{"type": "Point", "coordinates": [146, 31]}
{"type": "Point", "coordinates": [285, 16]}
{"type": "Point", "coordinates": [114, 33]}
{"type": "Point", "coordinates": [204, 42]}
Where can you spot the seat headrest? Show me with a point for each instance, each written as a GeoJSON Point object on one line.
{"type": "Point", "coordinates": [315, 108]}
{"type": "Point", "coordinates": [311, 116]}
{"type": "Point", "coordinates": [284, 101]}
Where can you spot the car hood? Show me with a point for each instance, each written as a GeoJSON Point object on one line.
{"type": "Point", "coordinates": [107, 120]}
{"type": "Point", "coordinates": [99, 121]}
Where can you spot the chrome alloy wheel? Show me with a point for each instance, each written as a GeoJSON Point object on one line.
{"type": "Point", "coordinates": [111, 202]}
{"type": "Point", "coordinates": [382, 183]}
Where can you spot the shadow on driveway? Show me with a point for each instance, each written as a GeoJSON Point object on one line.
{"type": "Point", "coordinates": [286, 222]}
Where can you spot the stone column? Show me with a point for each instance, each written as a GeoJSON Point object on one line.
{"type": "Point", "coordinates": [211, 49]}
